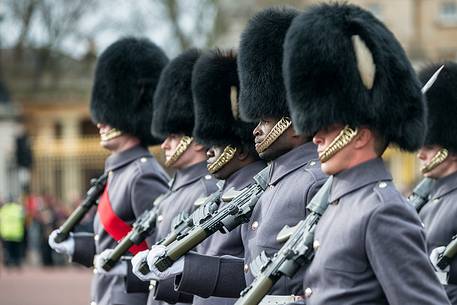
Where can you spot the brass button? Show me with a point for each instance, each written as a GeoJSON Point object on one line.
{"type": "Point", "coordinates": [159, 218]}
{"type": "Point", "coordinates": [382, 185]}
{"type": "Point", "coordinates": [208, 177]}
{"type": "Point", "coordinates": [94, 271]}
{"type": "Point", "coordinates": [308, 292]}
{"type": "Point", "coordinates": [312, 163]}
{"type": "Point", "coordinates": [246, 268]}
{"type": "Point", "coordinates": [255, 225]}
{"type": "Point", "coordinates": [110, 173]}
{"type": "Point", "coordinates": [152, 284]}
{"type": "Point", "coordinates": [143, 160]}
{"type": "Point", "coordinates": [316, 245]}
{"type": "Point", "coordinates": [96, 237]}
{"type": "Point", "coordinates": [436, 200]}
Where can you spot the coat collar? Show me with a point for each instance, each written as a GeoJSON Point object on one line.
{"type": "Point", "coordinates": [189, 175]}
{"type": "Point", "coordinates": [120, 159]}
{"type": "Point", "coordinates": [292, 160]}
{"type": "Point", "coordinates": [444, 185]}
{"type": "Point", "coordinates": [357, 177]}
{"type": "Point", "coordinates": [243, 177]}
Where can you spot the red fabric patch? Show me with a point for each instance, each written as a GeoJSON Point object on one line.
{"type": "Point", "coordinates": [115, 226]}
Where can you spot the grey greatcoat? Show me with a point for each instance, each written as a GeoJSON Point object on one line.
{"type": "Point", "coordinates": [294, 179]}
{"type": "Point", "coordinates": [439, 216]}
{"type": "Point", "coordinates": [218, 244]}
{"type": "Point", "coordinates": [187, 185]}
{"type": "Point", "coordinates": [135, 180]}
{"type": "Point", "coordinates": [370, 246]}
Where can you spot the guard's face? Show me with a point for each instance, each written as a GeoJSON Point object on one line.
{"type": "Point", "coordinates": [278, 147]}
{"type": "Point", "coordinates": [112, 144]}
{"type": "Point", "coordinates": [169, 146]}
{"type": "Point", "coordinates": [426, 154]}
{"type": "Point", "coordinates": [215, 152]}
{"type": "Point", "coordinates": [341, 160]}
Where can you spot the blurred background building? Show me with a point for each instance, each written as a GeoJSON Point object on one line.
{"type": "Point", "coordinates": [48, 51]}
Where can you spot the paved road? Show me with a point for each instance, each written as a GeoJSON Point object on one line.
{"type": "Point", "coordinates": [45, 286]}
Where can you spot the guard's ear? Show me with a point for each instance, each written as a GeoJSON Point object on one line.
{"type": "Point", "coordinates": [453, 156]}
{"type": "Point", "coordinates": [198, 147]}
{"type": "Point", "coordinates": [364, 137]}
{"type": "Point", "coordinates": [242, 153]}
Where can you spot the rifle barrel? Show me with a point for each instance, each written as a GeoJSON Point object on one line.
{"type": "Point", "coordinates": [178, 249]}
{"type": "Point", "coordinates": [78, 214]}
{"type": "Point", "coordinates": [256, 293]}
{"type": "Point", "coordinates": [118, 251]}
{"type": "Point", "coordinates": [448, 254]}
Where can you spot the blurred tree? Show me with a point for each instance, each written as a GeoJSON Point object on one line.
{"type": "Point", "coordinates": [22, 11]}
{"type": "Point", "coordinates": [44, 25]}
{"type": "Point", "coordinates": [60, 20]}
{"type": "Point", "coordinates": [192, 23]}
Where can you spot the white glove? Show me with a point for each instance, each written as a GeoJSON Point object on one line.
{"type": "Point", "coordinates": [151, 257]}
{"type": "Point", "coordinates": [119, 269]}
{"type": "Point", "coordinates": [66, 247]}
{"type": "Point", "coordinates": [136, 262]}
{"type": "Point", "coordinates": [443, 275]}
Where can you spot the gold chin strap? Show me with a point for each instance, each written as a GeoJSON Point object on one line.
{"type": "Point", "coordinates": [223, 159]}
{"type": "Point", "coordinates": [111, 134]}
{"type": "Point", "coordinates": [437, 159]}
{"type": "Point", "coordinates": [274, 134]}
{"type": "Point", "coordinates": [182, 147]}
{"type": "Point", "coordinates": [342, 139]}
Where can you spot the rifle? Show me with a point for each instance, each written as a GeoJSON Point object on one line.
{"type": "Point", "coordinates": [296, 252]}
{"type": "Point", "coordinates": [449, 253]}
{"type": "Point", "coordinates": [92, 195]}
{"type": "Point", "coordinates": [142, 228]}
{"type": "Point", "coordinates": [183, 223]}
{"type": "Point", "coordinates": [419, 196]}
{"type": "Point", "coordinates": [236, 212]}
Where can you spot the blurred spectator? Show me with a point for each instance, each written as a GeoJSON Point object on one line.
{"type": "Point", "coordinates": [47, 218]}
{"type": "Point", "coordinates": [45, 213]}
{"type": "Point", "coordinates": [12, 223]}
{"type": "Point", "coordinates": [32, 203]}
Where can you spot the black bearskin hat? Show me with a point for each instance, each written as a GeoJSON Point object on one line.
{"type": "Point", "coordinates": [126, 76]}
{"type": "Point", "coordinates": [173, 105]}
{"type": "Point", "coordinates": [325, 87]}
{"type": "Point", "coordinates": [262, 92]}
{"type": "Point", "coordinates": [215, 87]}
{"type": "Point", "coordinates": [441, 99]}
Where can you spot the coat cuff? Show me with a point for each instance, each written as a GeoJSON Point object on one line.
{"type": "Point", "coordinates": [453, 272]}
{"type": "Point", "coordinates": [84, 249]}
{"type": "Point", "coordinates": [165, 291]}
{"type": "Point", "coordinates": [222, 276]}
{"type": "Point", "coordinates": [133, 283]}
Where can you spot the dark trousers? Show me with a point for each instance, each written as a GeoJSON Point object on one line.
{"type": "Point", "coordinates": [12, 253]}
